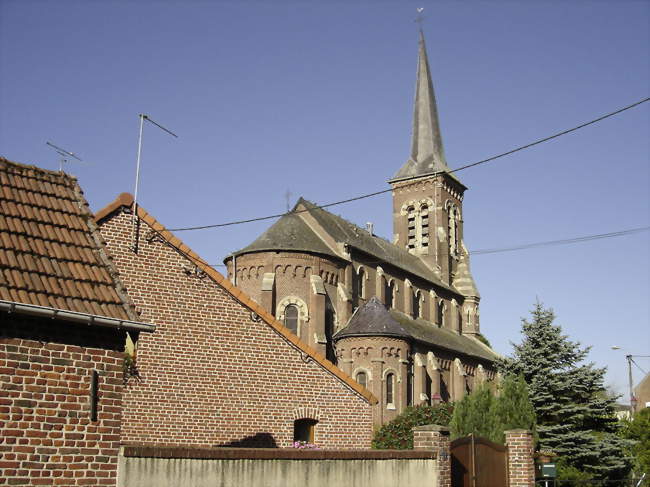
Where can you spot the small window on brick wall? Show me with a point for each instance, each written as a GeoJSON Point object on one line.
{"type": "Point", "coordinates": [304, 429]}
{"type": "Point", "coordinates": [390, 389]}
{"type": "Point", "coordinates": [94, 395]}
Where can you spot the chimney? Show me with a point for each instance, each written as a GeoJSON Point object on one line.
{"type": "Point", "coordinates": [369, 227]}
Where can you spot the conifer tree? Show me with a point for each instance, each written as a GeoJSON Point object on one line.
{"type": "Point", "coordinates": [575, 416]}
{"type": "Point", "coordinates": [472, 414]}
{"type": "Point", "coordinates": [512, 408]}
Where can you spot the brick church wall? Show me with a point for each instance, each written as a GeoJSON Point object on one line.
{"type": "Point", "coordinates": [48, 437]}
{"type": "Point", "coordinates": [213, 374]}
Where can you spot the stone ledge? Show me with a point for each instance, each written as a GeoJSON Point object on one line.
{"type": "Point", "coordinates": [147, 451]}
{"type": "Point", "coordinates": [432, 427]}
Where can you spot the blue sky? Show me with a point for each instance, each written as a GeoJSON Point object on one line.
{"type": "Point", "coordinates": [315, 98]}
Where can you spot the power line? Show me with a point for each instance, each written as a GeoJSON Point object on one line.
{"type": "Point", "coordinates": [547, 243]}
{"type": "Point", "coordinates": [565, 241]}
{"type": "Point", "coordinates": [467, 166]}
{"type": "Point", "coordinates": [638, 366]}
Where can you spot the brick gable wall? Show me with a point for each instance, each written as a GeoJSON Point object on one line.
{"type": "Point", "coordinates": [211, 375]}
{"type": "Point", "coordinates": [48, 437]}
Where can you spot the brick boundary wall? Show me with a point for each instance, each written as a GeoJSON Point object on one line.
{"type": "Point", "coordinates": [521, 466]}
{"type": "Point", "coordinates": [48, 437]}
{"type": "Point", "coordinates": [436, 438]}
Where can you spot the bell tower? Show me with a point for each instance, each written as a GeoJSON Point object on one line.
{"type": "Point", "coordinates": [427, 198]}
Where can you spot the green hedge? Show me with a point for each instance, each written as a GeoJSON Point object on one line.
{"type": "Point", "coordinates": [398, 434]}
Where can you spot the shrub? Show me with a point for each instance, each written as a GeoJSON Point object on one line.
{"type": "Point", "coordinates": [638, 430]}
{"type": "Point", "coordinates": [571, 476]}
{"type": "Point", "coordinates": [398, 434]}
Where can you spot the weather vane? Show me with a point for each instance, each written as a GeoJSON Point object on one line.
{"type": "Point", "coordinates": [419, 18]}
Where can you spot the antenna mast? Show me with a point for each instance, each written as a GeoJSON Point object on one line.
{"type": "Point", "coordinates": [136, 221]}
{"type": "Point", "coordinates": [65, 155]}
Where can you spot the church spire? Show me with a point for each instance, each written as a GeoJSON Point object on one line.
{"type": "Point", "coordinates": [427, 152]}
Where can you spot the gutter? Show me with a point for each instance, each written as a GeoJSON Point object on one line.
{"type": "Point", "coordinates": [74, 316]}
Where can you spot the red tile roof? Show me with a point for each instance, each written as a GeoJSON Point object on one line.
{"type": "Point", "coordinates": [126, 200]}
{"type": "Point", "coordinates": [51, 253]}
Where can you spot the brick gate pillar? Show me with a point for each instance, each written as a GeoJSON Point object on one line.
{"type": "Point", "coordinates": [521, 466]}
{"type": "Point", "coordinates": [435, 437]}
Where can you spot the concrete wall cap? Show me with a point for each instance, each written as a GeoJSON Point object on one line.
{"type": "Point", "coordinates": [518, 431]}
{"type": "Point", "coordinates": [432, 427]}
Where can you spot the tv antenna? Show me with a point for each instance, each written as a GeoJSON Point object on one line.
{"type": "Point", "coordinates": [65, 155]}
{"type": "Point", "coordinates": [136, 221]}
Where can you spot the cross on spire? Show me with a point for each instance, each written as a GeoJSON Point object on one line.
{"type": "Point", "coordinates": [419, 18]}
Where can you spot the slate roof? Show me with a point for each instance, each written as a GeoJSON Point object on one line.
{"type": "Point", "coordinates": [373, 319]}
{"type": "Point", "coordinates": [51, 254]}
{"type": "Point", "coordinates": [289, 233]}
{"type": "Point", "coordinates": [342, 230]}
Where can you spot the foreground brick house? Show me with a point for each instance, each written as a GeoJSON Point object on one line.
{"type": "Point", "coordinates": [401, 317]}
{"type": "Point", "coordinates": [63, 324]}
{"type": "Point", "coordinates": [220, 370]}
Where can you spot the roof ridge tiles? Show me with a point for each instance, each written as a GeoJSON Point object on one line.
{"type": "Point", "coordinates": [126, 200]}
{"type": "Point", "coordinates": [36, 171]}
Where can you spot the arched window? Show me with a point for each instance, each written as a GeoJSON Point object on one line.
{"type": "Point", "coordinates": [361, 286]}
{"type": "Point", "coordinates": [444, 390]}
{"type": "Point", "coordinates": [303, 430]}
{"type": "Point", "coordinates": [362, 379]}
{"type": "Point", "coordinates": [330, 324]}
{"type": "Point", "coordinates": [416, 305]}
{"type": "Point", "coordinates": [390, 385]}
{"type": "Point", "coordinates": [409, 384]}
{"type": "Point", "coordinates": [291, 318]}
{"type": "Point", "coordinates": [428, 388]}
{"type": "Point", "coordinates": [453, 230]}
{"type": "Point", "coordinates": [441, 314]}
{"type": "Point", "coordinates": [457, 315]}
{"type": "Point", "coordinates": [410, 240]}
{"type": "Point", "coordinates": [389, 292]}
{"type": "Point", "coordinates": [424, 225]}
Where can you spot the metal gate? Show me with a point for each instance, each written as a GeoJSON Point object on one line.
{"type": "Point", "coordinates": [478, 462]}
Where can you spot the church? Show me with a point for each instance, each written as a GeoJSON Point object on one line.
{"type": "Point", "coordinates": [400, 317]}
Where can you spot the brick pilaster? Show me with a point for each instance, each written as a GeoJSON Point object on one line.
{"type": "Point", "coordinates": [435, 437]}
{"type": "Point", "coordinates": [521, 467]}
